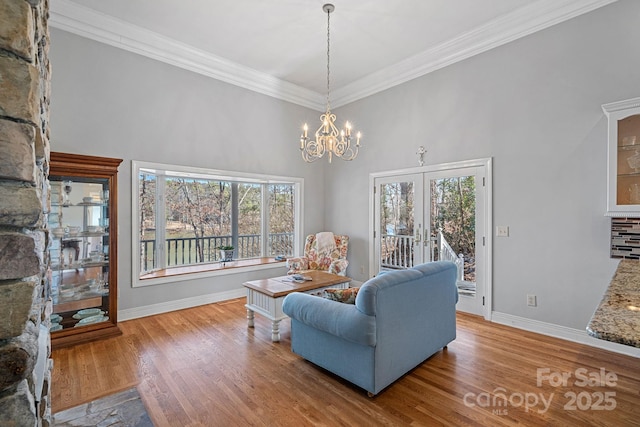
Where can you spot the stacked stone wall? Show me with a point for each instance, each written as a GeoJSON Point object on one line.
{"type": "Point", "coordinates": [25, 303]}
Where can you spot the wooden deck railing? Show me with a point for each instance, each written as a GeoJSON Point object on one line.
{"type": "Point", "coordinates": [397, 252]}
{"type": "Point", "coordinates": [191, 250]}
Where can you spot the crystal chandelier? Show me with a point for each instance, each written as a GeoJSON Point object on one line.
{"type": "Point", "coordinates": [328, 139]}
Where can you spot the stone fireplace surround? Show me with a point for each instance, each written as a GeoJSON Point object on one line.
{"type": "Point", "coordinates": [25, 303]}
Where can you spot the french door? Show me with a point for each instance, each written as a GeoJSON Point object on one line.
{"type": "Point", "coordinates": [436, 213]}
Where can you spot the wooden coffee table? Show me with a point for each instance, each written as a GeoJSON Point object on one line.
{"type": "Point", "coordinates": [265, 296]}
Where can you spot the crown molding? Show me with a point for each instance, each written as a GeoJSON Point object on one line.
{"type": "Point", "coordinates": [621, 105]}
{"type": "Point", "coordinates": [74, 18]}
{"type": "Point", "coordinates": [504, 29]}
{"type": "Point", "coordinates": [85, 22]}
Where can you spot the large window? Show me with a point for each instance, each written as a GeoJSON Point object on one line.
{"type": "Point", "coordinates": [184, 215]}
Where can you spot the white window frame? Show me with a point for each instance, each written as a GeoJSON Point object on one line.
{"type": "Point", "coordinates": [196, 172]}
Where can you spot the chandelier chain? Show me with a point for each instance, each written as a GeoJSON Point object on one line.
{"type": "Point", "coordinates": [328, 59]}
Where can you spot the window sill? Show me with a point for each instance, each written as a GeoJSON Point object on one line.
{"type": "Point", "coordinates": [198, 271]}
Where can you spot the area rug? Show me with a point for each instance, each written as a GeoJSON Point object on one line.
{"type": "Point", "coordinates": [124, 409]}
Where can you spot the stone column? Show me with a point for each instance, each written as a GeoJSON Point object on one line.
{"type": "Point", "coordinates": [25, 364]}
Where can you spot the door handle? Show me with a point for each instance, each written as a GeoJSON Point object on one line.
{"type": "Point", "coordinates": [418, 235]}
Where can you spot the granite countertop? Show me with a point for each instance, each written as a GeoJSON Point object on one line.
{"type": "Point", "coordinates": [617, 318]}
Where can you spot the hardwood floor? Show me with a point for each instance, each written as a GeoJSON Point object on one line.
{"type": "Point", "coordinates": [204, 367]}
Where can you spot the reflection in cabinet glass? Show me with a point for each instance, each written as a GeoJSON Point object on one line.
{"type": "Point", "coordinates": [623, 198]}
{"type": "Point", "coordinates": [82, 248]}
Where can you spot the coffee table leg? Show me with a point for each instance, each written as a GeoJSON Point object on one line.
{"type": "Point", "coordinates": [275, 330]}
{"type": "Point", "coordinates": [250, 316]}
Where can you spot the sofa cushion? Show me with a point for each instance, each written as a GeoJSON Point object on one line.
{"type": "Point", "coordinates": [342, 320]}
{"type": "Point", "coordinates": [347, 296]}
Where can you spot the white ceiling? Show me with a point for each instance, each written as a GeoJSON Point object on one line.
{"type": "Point", "coordinates": [278, 47]}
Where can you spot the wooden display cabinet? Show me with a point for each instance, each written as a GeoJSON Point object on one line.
{"type": "Point", "coordinates": [83, 248]}
{"type": "Point", "coordinates": [623, 189]}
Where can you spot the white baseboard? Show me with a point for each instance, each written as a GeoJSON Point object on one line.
{"type": "Point", "coordinates": [165, 307]}
{"type": "Point", "coordinates": [563, 332]}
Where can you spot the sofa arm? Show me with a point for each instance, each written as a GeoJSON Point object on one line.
{"type": "Point", "coordinates": [297, 265]}
{"type": "Point", "coordinates": [338, 319]}
{"type": "Point", "coordinates": [339, 267]}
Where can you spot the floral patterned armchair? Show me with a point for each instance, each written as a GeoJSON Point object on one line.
{"type": "Point", "coordinates": [318, 256]}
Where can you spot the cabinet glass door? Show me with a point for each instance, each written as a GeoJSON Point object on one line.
{"type": "Point", "coordinates": [628, 170]}
{"type": "Point", "coordinates": [79, 251]}
{"type": "Point", "coordinates": [623, 168]}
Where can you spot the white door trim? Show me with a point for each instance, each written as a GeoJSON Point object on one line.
{"type": "Point", "coordinates": [487, 164]}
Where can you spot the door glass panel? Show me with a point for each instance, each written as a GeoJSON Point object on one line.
{"type": "Point", "coordinates": [397, 225]}
{"type": "Point", "coordinates": [453, 226]}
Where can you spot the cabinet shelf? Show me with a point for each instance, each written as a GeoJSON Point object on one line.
{"type": "Point", "coordinates": [80, 204]}
{"type": "Point", "coordinates": [629, 147]}
{"type": "Point", "coordinates": [629, 175]}
{"type": "Point", "coordinates": [80, 235]}
{"type": "Point", "coordinates": [64, 306]}
{"type": "Point", "coordinates": [91, 204]}
{"type": "Point", "coordinates": [78, 266]}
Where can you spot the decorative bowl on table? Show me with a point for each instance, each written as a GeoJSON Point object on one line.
{"type": "Point", "coordinates": [58, 232]}
{"type": "Point", "coordinates": [96, 256]}
{"type": "Point", "coordinates": [88, 312]}
{"type": "Point", "coordinates": [92, 319]}
{"type": "Point", "coordinates": [73, 230]}
{"type": "Point", "coordinates": [66, 293]}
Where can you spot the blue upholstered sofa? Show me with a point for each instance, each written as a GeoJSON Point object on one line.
{"type": "Point", "coordinates": [399, 319]}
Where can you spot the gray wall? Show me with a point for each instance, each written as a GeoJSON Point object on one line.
{"type": "Point", "coordinates": [108, 102]}
{"type": "Point", "coordinates": [534, 105]}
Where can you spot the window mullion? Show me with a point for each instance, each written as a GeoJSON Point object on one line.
{"type": "Point", "coordinates": [234, 219]}
{"type": "Point", "coordinates": [161, 222]}
{"type": "Point", "coordinates": [264, 221]}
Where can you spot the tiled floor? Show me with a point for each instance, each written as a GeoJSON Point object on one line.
{"type": "Point", "coordinates": [124, 409]}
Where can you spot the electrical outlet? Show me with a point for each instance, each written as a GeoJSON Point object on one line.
{"type": "Point", "coordinates": [531, 301]}
{"type": "Point", "coordinates": [362, 269]}
{"type": "Point", "coordinates": [502, 231]}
